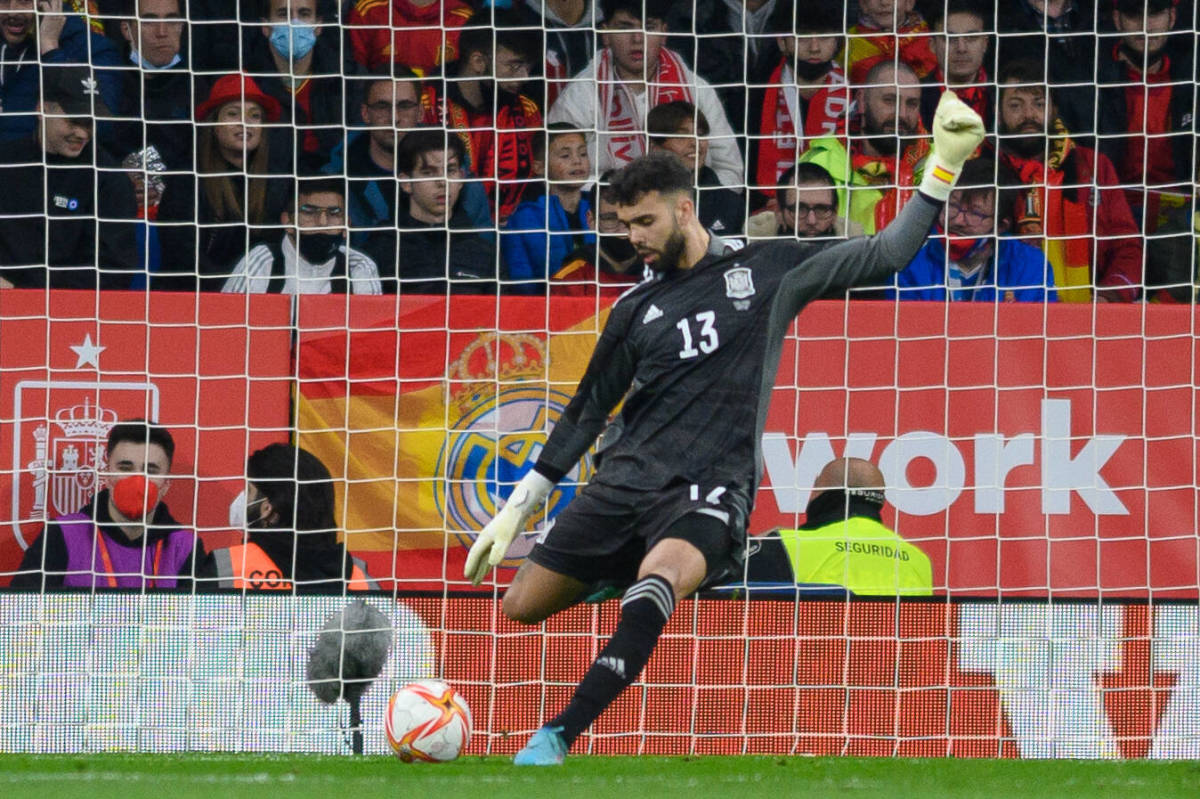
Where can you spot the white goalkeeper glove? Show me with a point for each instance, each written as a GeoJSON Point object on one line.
{"type": "Point", "coordinates": [493, 542]}
{"type": "Point", "coordinates": [957, 131]}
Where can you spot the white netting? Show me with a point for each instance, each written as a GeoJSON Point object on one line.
{"type": "Point", "coordinates": [195, 257]}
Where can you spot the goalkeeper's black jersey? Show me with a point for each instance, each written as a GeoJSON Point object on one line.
{"type": "Point", "coordinates": [694, 354]}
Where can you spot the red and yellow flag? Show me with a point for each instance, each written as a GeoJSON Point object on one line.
{"type": "Point", "coordinates": [427, 412]}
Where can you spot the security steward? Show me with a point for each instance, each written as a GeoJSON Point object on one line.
{"type": "Point", "coordinates": [287, 512]}
{"type": "Point", "coordinates": [844, 541]}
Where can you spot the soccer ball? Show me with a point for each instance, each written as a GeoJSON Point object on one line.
{"type": "Point", "coordinates": [427, 720]}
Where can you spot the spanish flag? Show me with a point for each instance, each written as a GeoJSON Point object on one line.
{"type": "Point", "coordinates": [428, 411]}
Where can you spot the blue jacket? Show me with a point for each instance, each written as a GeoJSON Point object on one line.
{"type": "Point", "coordinates": [1015, 268]}
{"type": "Point", "coordinates": [523, 245]}
{"type": "Point", "coordinates": [19, 89]}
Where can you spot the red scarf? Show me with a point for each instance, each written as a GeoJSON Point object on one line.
{"type": "Point", "coordinates": [975, 96]}
{"type": "Point", "coordinates": [1148, 104]}
{"type": "Point", "coordinates": [826, 116]}
{"type": "Point", "coordinates": [499, 147]}
{"type": "Point", "coordinates": [915, 50]}
{"type": "Point", "coordinates": [618, 107]}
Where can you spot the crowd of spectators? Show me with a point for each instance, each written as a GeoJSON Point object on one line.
{"type": "Point", "coordinates": [434, 146]}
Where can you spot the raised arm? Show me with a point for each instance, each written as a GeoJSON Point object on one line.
{"type": "Point", "coordinates": [957, 131]}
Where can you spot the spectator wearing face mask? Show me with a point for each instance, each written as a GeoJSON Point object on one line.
{"type": "Point", "coordinates": [973, 262]}
{"type": "Point", "coordinates": [290, 534]}
{"type": "Point", "coordinates": [157, 95]}
{"type": "Point", "coordinates": [125, 537]}
{"type": "Point", "coordinates": [311, 257]}
{"type": "Point", "coordinates": [297, 61]}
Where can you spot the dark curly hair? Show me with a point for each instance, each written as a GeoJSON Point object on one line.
{"type": "Point", "coordinates": [660, 172]}
{"type": "Point", "coordinates": [298, 485]}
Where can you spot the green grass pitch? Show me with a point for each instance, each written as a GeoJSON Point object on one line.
{"type": "Point", "coordinates": [267, 776]}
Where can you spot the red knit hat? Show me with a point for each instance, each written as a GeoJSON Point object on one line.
{"type": "Point", "coordinates": [235, 88]}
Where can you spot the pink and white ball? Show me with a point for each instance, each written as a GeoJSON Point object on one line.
{"type": "Point", "coordinates": [427, 721]}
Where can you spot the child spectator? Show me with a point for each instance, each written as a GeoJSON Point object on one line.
{"type": "Point", "coordinates": [548, 228]}
{"type": "Point", "coordinates": [680, 128]}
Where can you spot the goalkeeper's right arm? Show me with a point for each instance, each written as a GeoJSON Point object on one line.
{"type": "Point", "coordinates": [493, 542]}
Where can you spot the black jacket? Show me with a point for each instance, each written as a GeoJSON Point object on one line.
{"type": "Point", "coordinates": [48, 219]}
{"type": "Point", "coordinates": [201, 253]}
{"type": "Point", "coordinates": [425, 256]}
{"type": "Point", "coordinates": [721, 210]}
{"type": "Point", "coordinates": [157, 110]}
{"type": "Point", "coordinates": [327, 103]}
{"type": "Point", "coordinates": [1069, 56]}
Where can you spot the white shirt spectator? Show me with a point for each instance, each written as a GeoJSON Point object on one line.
{"type": "Point", "coordinates": [254, 273]}
{"type": "Point", "coordinates": [578, 106]}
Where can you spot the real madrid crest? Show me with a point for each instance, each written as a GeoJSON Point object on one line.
{"type": "Point", "coordinates": [738, 286]}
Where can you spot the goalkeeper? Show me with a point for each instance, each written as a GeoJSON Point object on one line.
{"type": "Point", "coordinates": [693, 352]}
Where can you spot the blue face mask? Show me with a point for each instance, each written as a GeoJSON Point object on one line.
{"type": "Point", "coordinates": [293, 40]}
{"type": "Point", "coordinates": [136, 58]}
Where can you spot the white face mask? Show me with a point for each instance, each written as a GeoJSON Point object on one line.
{"type": "Point", "coordinates": [237, 511]}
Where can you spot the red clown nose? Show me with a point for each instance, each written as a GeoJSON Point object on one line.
{"type": "Point", "coordinates": [134, 496]}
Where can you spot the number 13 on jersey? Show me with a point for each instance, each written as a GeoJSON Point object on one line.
{"type": "Point", "coordinates": [708, 335]}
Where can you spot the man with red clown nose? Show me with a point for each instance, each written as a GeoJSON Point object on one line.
{"type": "Point", "coordinates": [125, 537]}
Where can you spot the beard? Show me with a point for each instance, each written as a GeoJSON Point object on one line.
{"type": "Point", "coordinates": [884, 137]}
{"type": "Point", "coordinates": [807, 70]}
{"type": "Point", "coordinates": [1142, 60]}
{"type": "Point", "coordinates": [1030, 146]}
{"type": "Point", "coordinates": [886, 145]}
{"type": "Point", "coordinates": [671, 253]}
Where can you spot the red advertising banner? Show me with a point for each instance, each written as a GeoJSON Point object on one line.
{"type": "Point", "coordinates": [1028, 449]}
{"type": "Point", "coordinates": [908, 678]}
{"type": "Point", "coordinates": [213, 369]}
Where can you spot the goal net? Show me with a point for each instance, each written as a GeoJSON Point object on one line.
{"type": "Point", "coordinates": [378, 232]}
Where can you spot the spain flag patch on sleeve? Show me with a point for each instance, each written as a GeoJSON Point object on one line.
{"type": "Point", "coordinates": [943, 174]}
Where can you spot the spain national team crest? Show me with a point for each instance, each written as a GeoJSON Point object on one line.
{"type": "Point", "coordinates": [58, 443]}
{"type": "Point", "coordinates": [504, 410]}
{"type": "Point", "coordinates": [739, 285]}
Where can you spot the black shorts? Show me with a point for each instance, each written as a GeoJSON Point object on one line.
{"type": "Point", "coordinates": [604, 534]}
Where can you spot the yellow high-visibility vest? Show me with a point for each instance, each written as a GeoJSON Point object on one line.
{"type": "Point", "coordinates": [861, 554]}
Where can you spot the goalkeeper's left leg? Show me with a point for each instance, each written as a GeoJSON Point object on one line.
{"type": "Point", "coordinates": [674, 568]}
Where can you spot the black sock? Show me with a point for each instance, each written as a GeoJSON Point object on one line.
{"type": "Point", "coordinates": [645, 609]}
